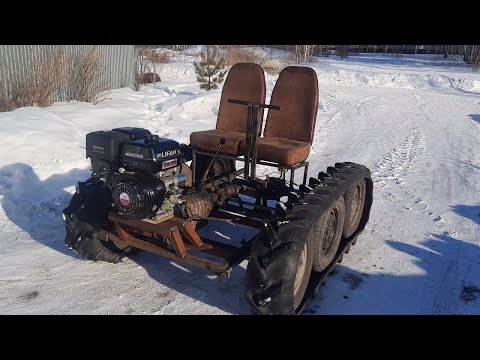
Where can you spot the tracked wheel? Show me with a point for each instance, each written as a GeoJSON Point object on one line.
{"type": "Point", "coordinates": [280, 267]}
{"type": "Point", "coordinates": [85, 213]}
{"type": "Point", "coordinates": [282, 259]}
{"type": "Point", "coordinates": [304, 269]}
{"type": "Point", "coordinates": [314, 219]}
{"type": "Point", "coordinates": [354, 204]}
{"type": "Point", "coordinates": [328, 234]}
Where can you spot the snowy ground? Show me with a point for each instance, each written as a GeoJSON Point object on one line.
{"type": "Point", "coordinates": [415, 123]}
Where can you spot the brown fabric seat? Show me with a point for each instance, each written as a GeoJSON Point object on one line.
{"type": "Point", "coordinates": [245, 81]}
{"type": "Point", "coordinates": [209, 140]}
{"type": "Point", "coordinates": [289, 132]}
{"type": "Point", "coordinates": [280, 150]}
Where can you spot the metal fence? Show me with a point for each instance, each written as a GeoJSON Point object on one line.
{"type": "Point", "coordinates": [117, 59]}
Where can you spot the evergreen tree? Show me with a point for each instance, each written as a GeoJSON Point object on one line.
{"type": "Point", "coordinates": [210, 71]}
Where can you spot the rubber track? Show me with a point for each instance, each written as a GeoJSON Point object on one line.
{"type": "Point", "coordinates": [275, 252]}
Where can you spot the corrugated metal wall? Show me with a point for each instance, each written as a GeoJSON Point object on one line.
{"type": "Point", "coordinates": [117, 59]}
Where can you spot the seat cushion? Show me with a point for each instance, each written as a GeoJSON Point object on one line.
{"type": "Point", "coordinates": [209, 140]}
{"type": "Point", "coordinates": [280, 150]}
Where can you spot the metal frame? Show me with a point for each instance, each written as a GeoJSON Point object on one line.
{"type": "Point", "coordinates": [167, 238]}
{"type": "Point", "coordinates": [241, 158]}
{"type": "Point", "coordinates": [176, 238]}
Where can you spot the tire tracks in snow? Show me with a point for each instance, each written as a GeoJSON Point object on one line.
{"type": "Point", "coordinates": [324, 129]}
{"type": "Point", "coordinates": [391, 169]}
{"type": "Point", "coordinates": [411, 158]}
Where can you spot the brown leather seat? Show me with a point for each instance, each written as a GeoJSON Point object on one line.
{"type": "Point", "coordinates": [288, 133]}
{"type": "Point", "coordinates": [245, 81]}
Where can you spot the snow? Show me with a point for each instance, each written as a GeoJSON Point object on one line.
{"type": "Point", "coordinates": [414, 121]}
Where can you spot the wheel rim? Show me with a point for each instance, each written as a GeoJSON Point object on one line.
{"type": "Point", "coordinates": [356, 205]}
{"type": "Point", "coordinates": [301, 269]}
{"type": "Point", "coordinates": [331, 232]}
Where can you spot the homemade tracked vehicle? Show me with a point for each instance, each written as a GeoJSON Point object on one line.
{"type": "Point", "coordinates": [143, 195]}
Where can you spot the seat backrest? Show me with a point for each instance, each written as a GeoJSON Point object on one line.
{"type": "Point", "coordinates": [245, 81]}
{"type": "Point", "coordinates": [296, 91]}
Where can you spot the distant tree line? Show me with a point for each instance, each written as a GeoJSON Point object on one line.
{"type": "Point", "coordinates": [302, 53]}
{"type": "Point", "coordinates": [470, 53]}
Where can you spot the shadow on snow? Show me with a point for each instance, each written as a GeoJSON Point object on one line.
{"type": "Point", "coordinates": [448, 282]}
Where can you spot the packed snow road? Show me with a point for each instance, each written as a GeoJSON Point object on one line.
{"type": "Point", "coordinates": [420, 251]}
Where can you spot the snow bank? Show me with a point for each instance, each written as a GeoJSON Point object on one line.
{"type": "Point", "coordinates": [397, 80]}
{"type": "Point", "coordinates": [180, 71]}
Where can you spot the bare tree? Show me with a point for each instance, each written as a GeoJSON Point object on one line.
{"type": "Point", "coordinates": [140, 68]}
{"type": "Point", "coordinates": [52, 74]}
{"type": "Point", "coordinates": [88, 79]}
{"type": "Point", "coordinates": [303, 53]}
{"type": "Point", "coordinates": [47, 76]}
{"type": "Point", "coordinates": [343, 50]}
{"type": "Point", "coordinates": [471, 55]}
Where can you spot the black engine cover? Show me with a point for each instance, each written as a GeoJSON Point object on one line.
{"type": "Point", "coordinates": [104, 145]}
{"type": "Point", "coordinates": [152, 154]}
{"type": "Point", "coordinates": [135, 133]}
{"type": "Point", "coordinates": [139, 196]}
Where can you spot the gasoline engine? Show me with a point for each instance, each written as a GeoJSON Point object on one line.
{"type": "Point", "coordinates": [147, 175]}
